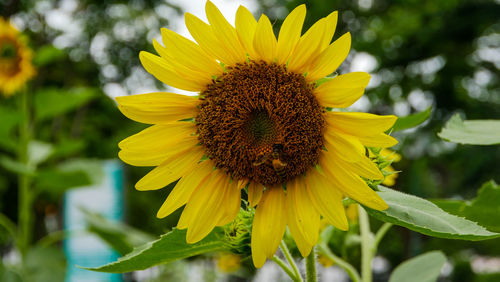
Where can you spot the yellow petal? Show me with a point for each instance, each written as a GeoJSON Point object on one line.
{"type": "Point", "coordinates": [312, 44]}
{"type": "Point", "coordinates": [343, 90]}
{"type": "Point", "coordinates": [390, 179]}
{"type": "Point", "coordinates": [225, 33]}
{"type": "Point", "coordinates": [254, 193]}
{"type": "Point", "coordinates": [359, 124]}
{"type": "Point", "coordinates": [309, 44]}
{"type": "Point", "coordinates": [331, 58]}
{"type": "Point", "coordinates": [347, 147]}
{"type": "Point", "coordinates": [207, 40]}
{"type": "Point", "coordinates": [363, 167]}
{"type": "Point", "coordinates": [185, 187]}
{"type": "Point", "coordinates": [290, 33]}
{"type": "Point", "coordinates": [173, 168]}
{"type": "Point", "coordinates": [269, 224]}
{"type": "Point", "coordinates": [177, 65]}
{"type": "Point", "coordinates": [242, 183]}
{"type": "Point", "coordinates": [189, 53]}
{"type": "Point", "coordinates": [215, 180]}
{"type": "Point", "coordinates": [245, 27]}
{"type": "Point", "coordinates": [380, 140]}
{"type": "Point", "coordinates": [151, 157]}
{"type": "Point", "coordinates": [158, 136]}
{"type": "Point", "coordinates": [157, 108]}
{"type": "Point", "coordinates": [160, 69]}
{"type": "Point", "coordinates": [307, 216]}
{"type": "Point", "coordinates": [162, 51]}
{"type": "Point", "coordinates": [232, 203]}
{"type": "Point", "coordinates": [205, 206]}
{"type": "Point", "coordinates": [351, 185]}
{"type": "Point", "coordinates": [302, 244]}
{"type": "Point", "coordinates": [327, 199]}
{"type": "Point", "coordinates": [390, 155]}
{"type": "Point", "coordinates": [264, 40]}
{"type": "Point", "coordinates": [330, 25]}
{"type": "Point", "coordinates": [303, 218]}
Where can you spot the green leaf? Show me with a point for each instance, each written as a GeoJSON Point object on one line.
{"type": "Point", "coordinates": [93, 168]}
{"type": "Point", "coordinates": [9, 119]}
{"type": "Point", "coordinates": [38, 152]}
{"type": "Point", "coordinates": [52, 102]}
{"type": "Point", "coordinates": [449, 206]}
{"type": "Point", "coordinates": [422, 216]}
{"type": "Point", "coordinates": [67, 147]}
{"type": "Point", "coordinates": [69, 174]}
{"type": "Point", "coordinates": [14, 166]}
{"type": "Point", "coordinates": [45, 264]}
{"type": "Point", "coordinates": [47, 54]}
{"type": "Point", "coordinates": [411, 120]}
{"type": "Point", "coordinates": [423, 268]}
{"type": "Point", "coordinates": [56, 182]}
{"type": "Point", "coordinates": [119, 236]}
{"type": "Point", "coordinates": [170, 247]}
{"type": "Point", "coordinates": [324, 80]}
{"type": "Point", "coordinates": [474, 132]}
{"type": "Point", "coordinates": [483, 209]}
{"type": "Point", "coordinates": [10, 274]}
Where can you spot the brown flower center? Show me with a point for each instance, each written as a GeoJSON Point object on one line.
{"type": "Point", "coordinates": [260, 122]}
{"type": "Point", "coordinates": [9, 57]}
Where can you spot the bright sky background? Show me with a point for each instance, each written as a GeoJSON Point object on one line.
{"type": "Point", "coordinates": [197, 8]}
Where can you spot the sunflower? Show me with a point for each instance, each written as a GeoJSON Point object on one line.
{"type": "Point", "coordinates": [260, 123]}
{"type": "Point", "coordinates": [15, 59]}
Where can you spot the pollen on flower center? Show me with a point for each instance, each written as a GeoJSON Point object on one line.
{"type": "Point", "coordinates": [260, 128]}
{"type": "Point", "coordinates": [260, 122]}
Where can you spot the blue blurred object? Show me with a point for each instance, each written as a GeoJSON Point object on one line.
{"type": "Point", "coordinates": [105, 198]}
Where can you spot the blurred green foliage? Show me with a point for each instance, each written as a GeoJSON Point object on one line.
{"type": "Point", "coordinates": [443, 54]}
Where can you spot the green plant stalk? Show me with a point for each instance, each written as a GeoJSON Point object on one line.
{"type": "Point", "coordinates": [25, 193]}
{"type": "Point", "coordinates": [311, 275]}
{"type": "Point", "coordinates": [290, 260]}
{"type": "Point", "coordinates": [367, 251]}
{"type": "Point", "coordinates": [53, 238]}
{"type": "Point", "coordinates": [285, 268]}
{"type": "Point", "coordinates": [351, 271]}
{"type": "Point", "coordinates": [9, 226]}
{"type": "Point", "coordinates": [380, 234]}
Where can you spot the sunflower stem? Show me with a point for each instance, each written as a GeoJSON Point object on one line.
{"type": "Point", "coordinates": [285, 268]}
{"type": "Point", "coordinates": [53, 238]}
{"type": "Point", "coordinates": [311, 275]}
{"type": "Point", "coordinates": [9, 226]}
{"type": "Point", "coordinates": [351, 271]}
{"type": "Point", "coordinates": [25, 193]}
{"type": "Point", "coordinates": [367, 243]}
{"type": "Point", "coordinates": [290, 260]}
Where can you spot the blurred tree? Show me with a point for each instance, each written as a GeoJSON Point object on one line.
{"type": "Point", "coordinates": [91, 47]}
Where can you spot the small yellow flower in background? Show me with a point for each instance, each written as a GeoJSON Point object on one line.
{"type": "Point", "coordinates": [352, 212]}
{"type": "Point", "coordinates": [15, 60]}
{"type": "Point", "coordinates": [228, 262]}
{"type": "Point", "coordinates": [390, 179]}
{"type": "Point", "coordinates": [325, 261]}
{"type": "Point", "coordinates": [259, 123]}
